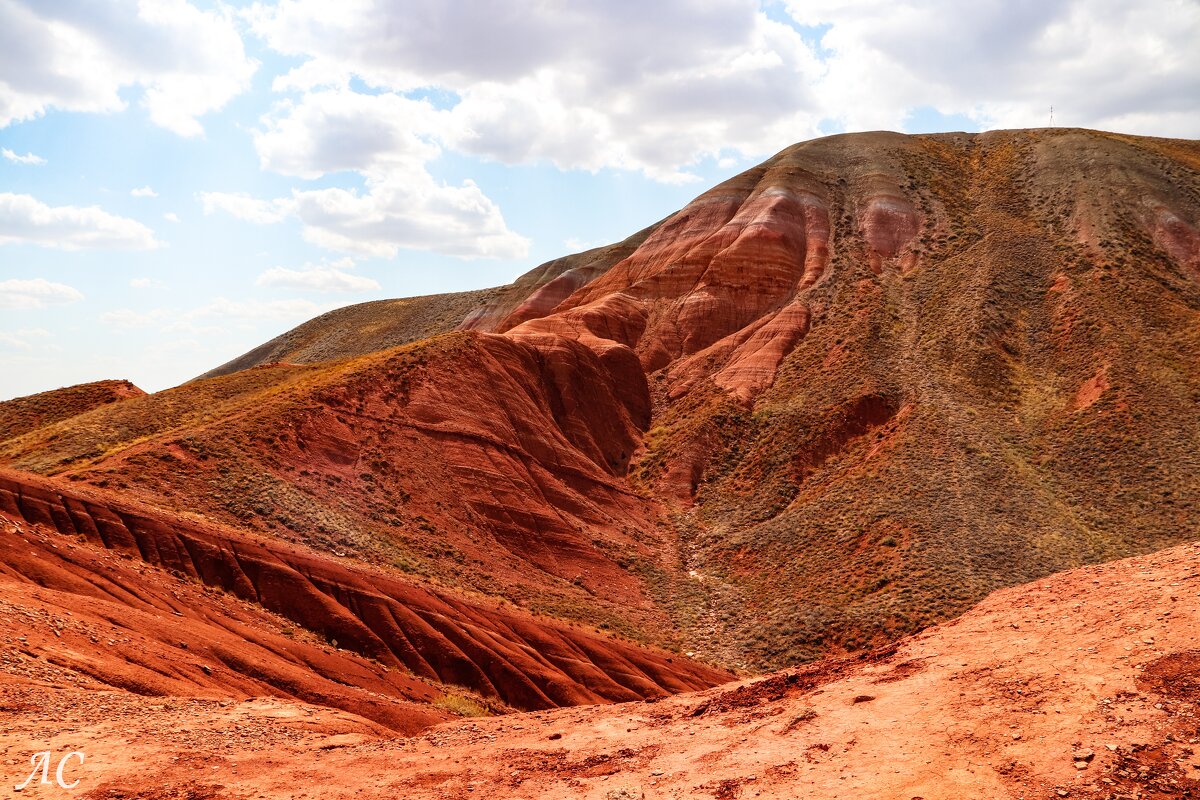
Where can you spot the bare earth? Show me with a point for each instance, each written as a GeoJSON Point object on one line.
{"type": "Point", "coordinates": [1083, 684]}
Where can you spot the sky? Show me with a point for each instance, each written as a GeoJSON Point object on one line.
{"type": "Point", "coordinates": [181, 181]}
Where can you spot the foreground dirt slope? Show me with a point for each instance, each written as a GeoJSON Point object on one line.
{"type": "Point", "coordinates": [416, 638]}
{"type": "Point", "coordinates": [1082, 685]}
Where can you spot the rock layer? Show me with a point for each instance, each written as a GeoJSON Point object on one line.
{"type": "Point", "coordinates": [424, 636]}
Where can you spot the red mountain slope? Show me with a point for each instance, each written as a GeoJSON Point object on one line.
{"type": "Point", "coordinates": [24, 414]}
{"type": "Point", "coordinates": [416, 638]}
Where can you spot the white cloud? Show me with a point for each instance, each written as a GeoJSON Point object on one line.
{"type": "Point", "coordinates": [145, 283]}
{"type": "Point", "coordinates": [643, 88]}
{"type": "Point", "coordinates": [388, 140]}
{"type": "Point", "coordinates": [36, 293]}
{"type": "Point", "coordinates": [333, 277]}
{"type": "Point", "coordinates": [171, 216]}
{"type": "Point", "coordinates": [24, 219]}
{"type": "Point", "coordinates": [646, 87]}
{"type": "Point", "coordinates": [23, 338]}
{"type": "Point", "coordinates": [144, 191]}
{"type": "Point", "coordinates": [29, 158]}
{"type": "Point", "coordinates": [128, 318]}
{"type": "Point", "coordinates": [340, 130]}
{"type": "Point", "coordinates": [409, 211]}
{"type": "Point", "coordinates": [79, 56]}
{"type": "Point", "coordinates": [399, 209]}
{"type": "Point", "coordinates": [245, 207]}
{"type": "Point", "coordinates": [576, 245]}
{"type": "Point", "coordinates": [216, 312]}
{"type": "Point", "coordinates": [658, 87]}
{"type": "Point", "coordinates": [1109, 64]}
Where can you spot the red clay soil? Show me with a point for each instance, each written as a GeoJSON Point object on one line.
{"type": "Point", "coordinates": [1082, 685]}
{"type": "Point", "coordinates": [414, 636]}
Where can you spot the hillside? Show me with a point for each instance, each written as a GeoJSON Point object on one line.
{"type": "Point", "coordinates": [1082, 685]}
{"type": "Point", "coordinates": [24, 414]}
{"type": "Point", "coordinates": [166, 605]}
{"type": "Point", "coordinates": [836, 399]}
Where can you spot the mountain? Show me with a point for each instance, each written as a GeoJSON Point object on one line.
{"type": "Point", "coordinates": [834, 400]}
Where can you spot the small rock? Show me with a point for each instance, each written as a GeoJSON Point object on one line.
{"type": "Point", "coordinates": [624, 794]}
{"type": "Point", "coordinates": [555, 736]}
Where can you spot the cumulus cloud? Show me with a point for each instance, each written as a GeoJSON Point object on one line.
{"type": "Point", "coordinates": [245, 207]}
{"type": "Point", "coordinates": [171, 216]}
{"type": "Point", "coordinates": [340, 130]}
{"type": "Point", "coordinates": [388, 140]}
{"type": "Point", "coordinates": [658, 87]}
{"type": "Point", "coordinates": [144, 191]}
{"type": "Point", "coordinates": [79, 56]}
{"type": "Point", "coordinates": [1109, 64]}
{"type": "Point", "coordinates": [36, 293]}
{"type": "Point", "coordinates": [398, 210]}
{"type": "Point", "coordinates": [218, 310]}
{"type": "Point", "coordinates": [583, 86]}
{"type": "Point", "coordinates": [29, 158]}
{"type": "Point", "coordinates": [645, 87]}
{"type": "Point", "coordinates": [410, 211]}
{"type": "Point", "coordinates": [23, 338]}
{"type": "Point", "coordinates": [24, 219]}
{"type": "Point", "coordinates": [334, 277]}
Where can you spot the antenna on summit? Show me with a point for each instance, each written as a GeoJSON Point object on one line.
{"type": "Point", "coordinates": [1051, 116]}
